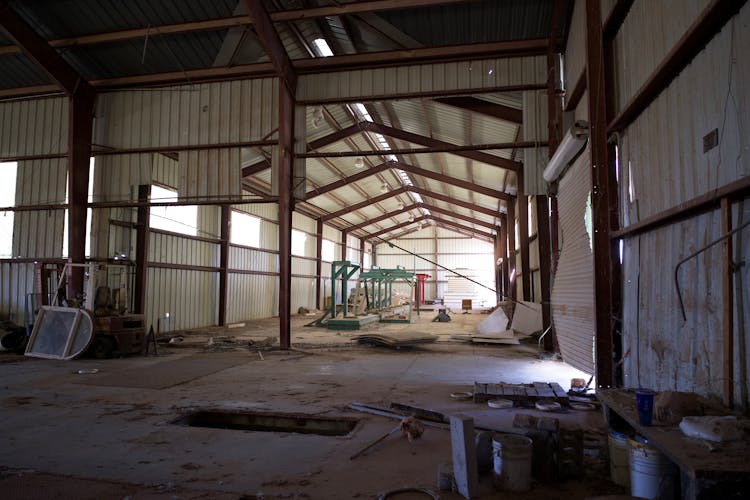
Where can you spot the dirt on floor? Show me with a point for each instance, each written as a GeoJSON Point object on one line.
{"type": "Point", "coordinates": [111, 435]}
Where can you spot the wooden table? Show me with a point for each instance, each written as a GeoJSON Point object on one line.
{"type": "Point", "coordinates": [707, 470]}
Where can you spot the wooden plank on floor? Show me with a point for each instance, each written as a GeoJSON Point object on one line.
{"type": "Point", "coordinates": [559, 391]}
{"type": "Point", "coordinates": [544, 390]}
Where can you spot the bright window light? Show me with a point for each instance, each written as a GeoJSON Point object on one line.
{"type": "Point", "coordinates": [177, 219]}
{"type": "Point", "coordinates": [327, 251]}
{"type": "Point", "coordinates": [298, 243]}
{"type": "Point", "coordinates": [366, 263]}
{"type": "Point", "coordinates": [8, 173]}
{"type": "Point", "coordinates": [323, 49]}
{"type": "Point", "coordinates": [245, 230]}
{"type": "Point", "coordinates": [89, 214]}
{"type": "Point", "coordinates": [362, 110]}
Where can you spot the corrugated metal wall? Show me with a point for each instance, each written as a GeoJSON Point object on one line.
{"type": "Point", "coordinates": [208, 113]}
{"type": "Point", "coordinates": [33, 127]}
{"type": "Point", "coordinates": [649, 32]}
{"type": "Point", "coordinates": [422, 78]}
{"type": "Point", "coordinates": [664, 165]}
{"type": "Point", "coordinates": [447, 248]}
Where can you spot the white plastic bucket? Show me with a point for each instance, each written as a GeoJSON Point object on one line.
{"type": "Point", "coordinates": [512, 462]}
{"type": "Point", "coordinates": [652, 475]}
{"type": "Point", "coordinates": [619, 458]}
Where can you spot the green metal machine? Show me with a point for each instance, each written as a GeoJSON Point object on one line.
{"type": "Point", "coordinates": [378, 287]}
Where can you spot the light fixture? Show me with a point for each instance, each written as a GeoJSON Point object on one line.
{"type": "Point", "coordinates": [569, 147]}
{"type": "Point", "coordinates": [317, 116]}
{"type": "Point", "coordinates": [411, 218]}
{"type": "Point", "coordinates": [359, 162]}
{"type": "Point", "coordinates": [400, 206]}
{"type": "Point", "coordinates": [385, 188]}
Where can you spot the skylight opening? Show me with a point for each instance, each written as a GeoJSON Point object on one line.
{"type": "Point", "coordinates": [363, 113]}
{"type": "Point", "coordinates": [322, 47]}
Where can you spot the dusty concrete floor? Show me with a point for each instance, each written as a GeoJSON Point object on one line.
{"type": "Point", "coordinates": [65, 439]}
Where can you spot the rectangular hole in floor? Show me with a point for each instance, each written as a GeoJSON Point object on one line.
{"type": "Point", "coordinates": [269, 422]}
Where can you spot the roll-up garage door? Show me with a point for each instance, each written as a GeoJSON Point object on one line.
{"type": "Point", "coordinates": [573, 286]}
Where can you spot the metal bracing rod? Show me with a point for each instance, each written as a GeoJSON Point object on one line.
{"type": "Point", "coordinates": [694, 254]}
{"type": "Point", "coordinates": [393, 245]}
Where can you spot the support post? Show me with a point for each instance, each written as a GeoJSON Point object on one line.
{"type": "Point", "coordinates": [543, 240]}
{"type": "Point", "coordinates": [343, 244]}
{"type": "Point", "coordinates": [318, 263]}
{"type": "Point", "coordinates": [601, 183]}
{"type": "Point", "coordinates": [141, 249]}
{"type": "Point", "coordinates": [497, 266]}
{"type": "Point", "coordinates": [727, 286]}
{"type": "Point", "coordinates": [523, 236]}
{"type": "Point", "coordinates": [226, 213]}
{"type": "Point", "coordinates": [512, 288]}
{"type": "Point", "coordinates": [504, 253]}
{"type": "Point", "coordinates": [286, 205]}
{"type": "Point", "coordinates": [362, 254]}
{"type": "Point", "coordinates": [80, 127]}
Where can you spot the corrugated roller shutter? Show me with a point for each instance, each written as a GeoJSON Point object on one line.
{"type": "Point", "coordinates": [573, 286]}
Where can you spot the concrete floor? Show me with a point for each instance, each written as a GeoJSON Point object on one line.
{"type": "Point", "coordinates": [70, 440]}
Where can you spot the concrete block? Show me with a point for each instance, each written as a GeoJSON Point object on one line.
{"type": "Point", "coordinates": [464, 455]}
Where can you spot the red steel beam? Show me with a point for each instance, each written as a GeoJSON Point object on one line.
{"type": "Point", "coordinates": [40, 51]}
{"type": "Point", "coordinates": [434, 143]}
{"type": "Point", "coordinates": [366, 203]}
{"type": "Point", "coordinates": [374, 170]}
{"type": "Point", "coordinates": [454, 214]}
{"type": "Point", "coordinates": [255, 168]}
{"type": "Point", "coordinates": [616, 18]}
{"type": "Point", "coordinates": [413, 170]}
{"type": "Point", "coordinates": [272, 44]}
{"type": "Point", "coordinates": [480, 106]}
{"type": "Point", "coordinates": [512, 48]}
{"type": "Point", "coordinates": [461, 203]}
{"type": "Point", "coordinates": [397, 226]}
{"type": "Point", "coordinates": [462, 227]}
{"type": "Point", "coordinates": [711, 21]}
{"type": "Point", "coordinates": [384, 216]}
{"type": "Point", "coordinates": [453, 181]}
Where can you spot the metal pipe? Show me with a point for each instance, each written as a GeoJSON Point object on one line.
{"type": "Point", "coordinates": [696, 253]}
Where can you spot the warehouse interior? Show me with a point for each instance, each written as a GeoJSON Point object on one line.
{"type": "Point", "coordinates": [266, 209]}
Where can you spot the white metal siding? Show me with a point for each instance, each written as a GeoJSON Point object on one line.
{"type": "Point", "coordinates": [649, 32]}
{"type": "Point", "coordinates": [422, 78]}
{"type": "Point", "coordinates": [34, 127]}
{"type": "Point", "coordinates": [666, 166]}
{"type": "Point", "coordinates": [575, 51]}
{"type": "Point", "coordinates": [573, 286]}
{"type": "Point", "coordinates": [208, 113]}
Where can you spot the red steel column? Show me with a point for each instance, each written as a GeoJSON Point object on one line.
{"type": "Point", "coordinates": [318, 262]}
{"type": "Point", "coordinates": [512, 288]}
{"type": "Point", "coordinates": [141, 249]}
{"type": "Point", "coordinates": [80, 128]}
{"type": "Point", "coordinates": [224, 263]}
{"type": "Point", "coordinates": [286, 205]}
{"type": "Point", "coordinates": [600, 181]}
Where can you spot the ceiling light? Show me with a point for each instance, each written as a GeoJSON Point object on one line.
{"type": "Point", "coordinates": [317, 116]}
{"type": "Point", "coordinates": [400, 206]}
{"type": "Point", "coordinates": [359, 162]}
{"type": "Point", "coordinates": [411, 218]}
{"type": "Point", "coordinates": [385, 188]}
{"type": "Point", "coordinates": [323, 49]}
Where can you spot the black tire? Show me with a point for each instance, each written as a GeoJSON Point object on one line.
{"type": "Point", "coordinates": [102, 347]}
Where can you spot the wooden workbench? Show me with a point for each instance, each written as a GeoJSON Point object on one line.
{"type": "Point", "coordinates": [707, 470]}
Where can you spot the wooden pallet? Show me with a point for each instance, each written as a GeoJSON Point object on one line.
{"type": "Point", "coordinates": [483, 392]}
